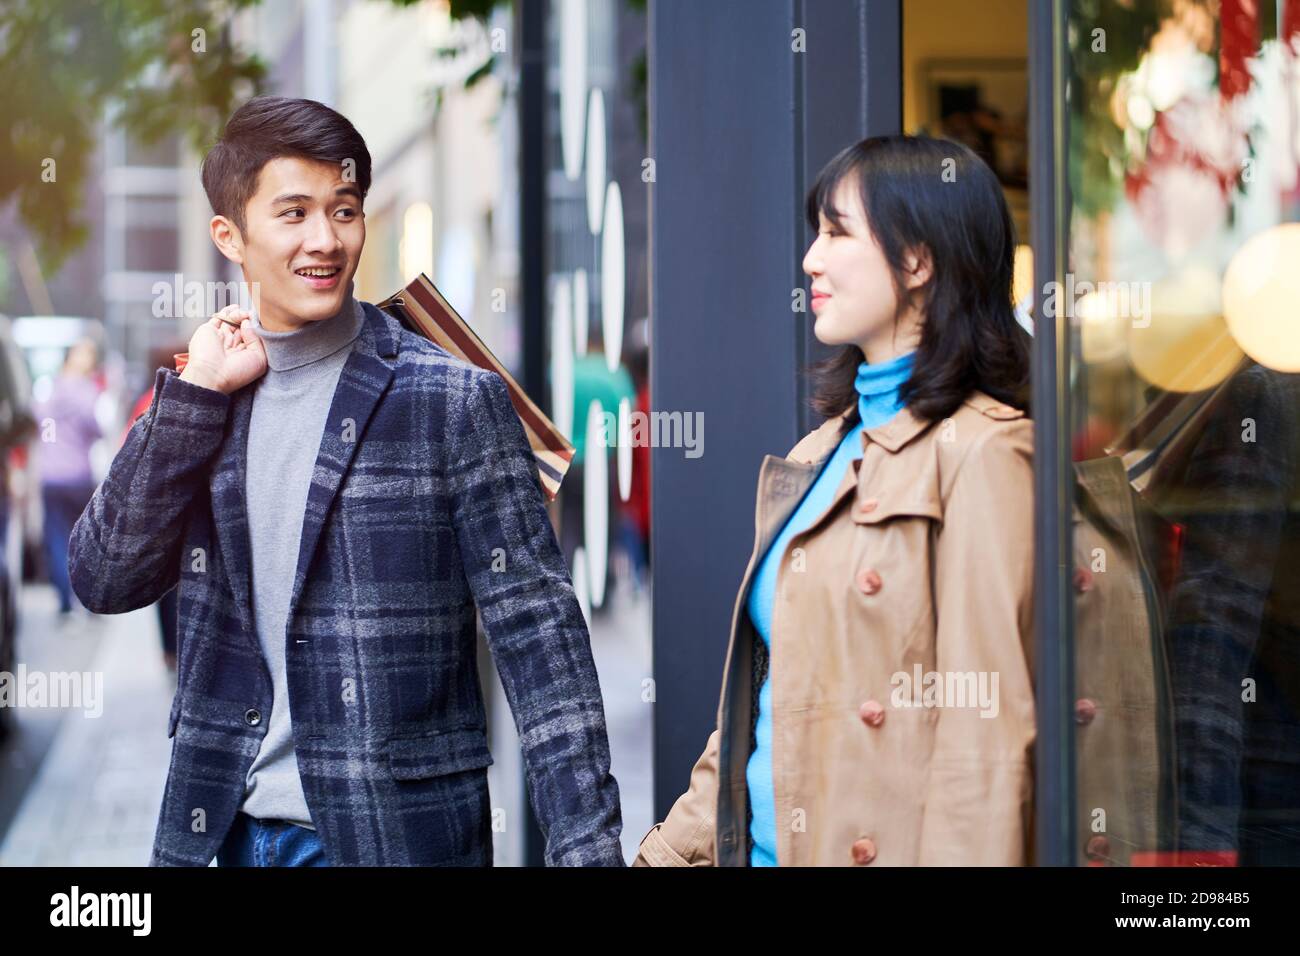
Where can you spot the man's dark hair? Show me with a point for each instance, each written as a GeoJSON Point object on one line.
{"type": "Point", "coordinates": [970, 338]}
{"type": "Point", "coordinates": [267, 128]}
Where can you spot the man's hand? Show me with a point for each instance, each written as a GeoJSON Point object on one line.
{"type": "Point", "coordinates": [225, 357]}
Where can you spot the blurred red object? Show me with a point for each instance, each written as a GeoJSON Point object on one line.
{"type": "Point", "coordinates": [141, 406]}
{"type": "Point", "coordinates": [1092, 440]}
{"type": "Point", "coordinates": [1238, 42]}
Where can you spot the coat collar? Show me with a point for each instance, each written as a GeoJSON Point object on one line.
{"type": "Point", "coordinates": [893, 435]}
{"type": "Point", "coordinates": [363, 380]}
{"type": "Point", "coordinates": [818, 445]}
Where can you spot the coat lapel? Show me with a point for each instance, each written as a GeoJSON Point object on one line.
{"type": "Point", "coordinates": [363, 380]}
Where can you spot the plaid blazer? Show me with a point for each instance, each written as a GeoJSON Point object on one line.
{"type": "Point", "coordinates": [425, 502]}
{"type": "Point", "coordinates": [1234, 613]}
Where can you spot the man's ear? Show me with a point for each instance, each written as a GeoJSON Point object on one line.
{"type": "Point", "coordinates": [918, 267]}
{"type": "Point", "coordinates": [226, 236]}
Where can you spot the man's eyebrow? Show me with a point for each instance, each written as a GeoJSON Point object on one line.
{"type": "Point", "coordinates": [302, 197]}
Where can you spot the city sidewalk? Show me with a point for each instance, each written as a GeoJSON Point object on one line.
{"type": "Point", "coordinates": [621, 646]}
{"type": "Point", "coordinates": [96, 795]}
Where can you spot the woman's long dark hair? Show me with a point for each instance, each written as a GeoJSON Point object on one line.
{"type": "Point", "coordinates": [920, 192]}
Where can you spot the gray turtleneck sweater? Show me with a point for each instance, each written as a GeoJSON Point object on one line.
{"type": "Point", "coordinates": [290, 405]}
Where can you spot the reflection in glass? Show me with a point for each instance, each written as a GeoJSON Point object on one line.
{"type": "Point", "coordinates": [1186, 403]}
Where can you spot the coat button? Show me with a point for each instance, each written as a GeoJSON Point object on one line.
{"type": "Point", "coordinates": [872, 713]}
{"type": "Point", "coordinates": [868, 581]}
{"type": "Point", "coordinates": [868, 506]}
{"type": "Point", "coordinates": [1098, 848]}
{"type": "Point", "coordinates": [864, 851]}
{"type": "Point", "coordinates": [1084, 711]}
{"type": "Point", "coordinates": [252, 717]}
{"type": "Point", "coordinates": [1082, 580]}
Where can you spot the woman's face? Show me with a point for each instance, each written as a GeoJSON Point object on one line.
{"type": "Point", "coordinates": [853, 294]}
{"type": "Point", "coordinates": [81, 358]}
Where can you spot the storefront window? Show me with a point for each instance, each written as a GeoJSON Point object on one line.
{"type": "Point", "coordinates": [1182, 290]}
{"type": "Point", "coordinates": [597, 256]}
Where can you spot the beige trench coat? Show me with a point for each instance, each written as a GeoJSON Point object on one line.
{"type": "Point", "coordinates": [1123, 711]}
{"type": "Point", "coordinates": [901, 659]}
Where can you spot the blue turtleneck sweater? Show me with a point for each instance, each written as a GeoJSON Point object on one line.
{"type": "Point", "coordinates": [878, 402]}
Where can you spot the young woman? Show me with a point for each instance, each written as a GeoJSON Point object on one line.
{"type": "Point", "coordinates": [67, 478]}
{"type": "Point", "coordinates": [877, 700]}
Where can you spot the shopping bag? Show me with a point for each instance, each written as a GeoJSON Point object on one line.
{"type": "Point", "coordinates": [424, 310]}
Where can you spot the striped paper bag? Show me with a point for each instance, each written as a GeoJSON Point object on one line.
{"type": "Point", "coordinates": [422, 309]}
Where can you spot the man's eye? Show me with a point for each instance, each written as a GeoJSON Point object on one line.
{"type": "Point", "coordinates": [290, 212]}
{"type": "Point", "coordinates": [349, 210]}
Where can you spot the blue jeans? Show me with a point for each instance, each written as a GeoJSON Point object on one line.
{"type": "Point", "coordinates": [63, 505]}
{"type": "Point", "coordinates": [253, 842]}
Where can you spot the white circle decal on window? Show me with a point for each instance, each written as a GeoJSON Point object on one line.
{"type": "Point", "coordinates": [612, 277]}
{"type": "Point", "coordinates": [595, 160]}
{"type": "Point", "coordinates": [624, 449]}
{"type": "Point", "coordinates": [581, 312]}
{"type": "Point", "coordinates": [573, 83]}
{"type": "Point", "coordinates": [562, 357]}
{"type": "Point", "coordinates": [595, 500]}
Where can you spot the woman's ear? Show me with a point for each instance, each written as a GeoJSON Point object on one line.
{"type": "Point", "coordinates": [918, 267]}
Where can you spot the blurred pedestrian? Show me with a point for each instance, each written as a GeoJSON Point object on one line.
{"type": "Point", "coordinates": [68, 428]}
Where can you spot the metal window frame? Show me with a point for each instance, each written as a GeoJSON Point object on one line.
{"type": "Point", "coordinates": [1055, 792]}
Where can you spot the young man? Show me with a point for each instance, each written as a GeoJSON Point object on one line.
{"type": "Point", "coordinates": [334, 495]}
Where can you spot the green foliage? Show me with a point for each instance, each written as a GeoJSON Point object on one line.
{"type": "Point", "coordinates": [1097, 155]}
{"type": "Point", "coordinates": [65, 63]}
{"type": "Point", "coordinates": [460, 9]}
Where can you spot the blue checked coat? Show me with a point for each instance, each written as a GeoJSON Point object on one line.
{"type": "Point", "coordinates": [424, 503]}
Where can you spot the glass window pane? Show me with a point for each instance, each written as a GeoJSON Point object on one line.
{"type": "Point", "coordinates": [1182, 292]}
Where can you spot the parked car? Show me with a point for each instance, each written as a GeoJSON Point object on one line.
{"type": "Point", "coordinates": [16, 483]}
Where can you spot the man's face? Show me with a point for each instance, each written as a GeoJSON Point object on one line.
{"type": "Point", "coordinates": [304, 218]}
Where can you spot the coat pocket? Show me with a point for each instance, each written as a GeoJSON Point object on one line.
{"type": "Point", "coordinates": [888, 576]}
{"type": "Point", "coordinates": [382, 488]}
{"type": "Point", "coordinates": [418, 758]}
